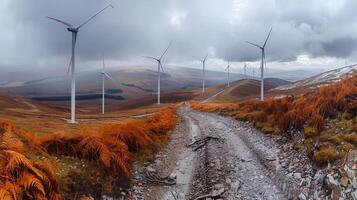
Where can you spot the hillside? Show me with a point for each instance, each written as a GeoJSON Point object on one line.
{"type": "Point", "coordinates": [330, 110]}
{"type": "Point", "coordinates": [129, 83]}
{"type": "Point", "coordinates": [321, 79]}
{"type": "Point", "coordinates": [317, 128]}
{"type": "Point", "coordinates": [43, 118]}
{"type": "Point", "coordinates": [247, 89]}
{"type": "Point", "coordinates": [276, 81]}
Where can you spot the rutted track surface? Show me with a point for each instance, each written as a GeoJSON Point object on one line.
{"type": "Point", "coordinates": [244, 165]}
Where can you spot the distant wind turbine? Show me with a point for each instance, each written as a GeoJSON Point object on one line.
{"type": "Point", "coordinates": [227, 69]}
{"type": "Point", "coordinates": [159, 66]}
{"type": "Point", "coordinates": [74, 31]}
{"type": "Point", "coordinates": [104, 76]}
{"type": "Point", "coordinates": [263, 63]}
{"type": "Point", "coordinates": [203, 73]}
{"type": "Point", "coordinates": [245, 70]}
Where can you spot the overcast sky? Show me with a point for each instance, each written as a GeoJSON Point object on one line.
{"type": "Point", "coordinates": [306, 33]}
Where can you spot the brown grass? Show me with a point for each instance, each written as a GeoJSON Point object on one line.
{"type": "Point", "coordinates": [24, 174]}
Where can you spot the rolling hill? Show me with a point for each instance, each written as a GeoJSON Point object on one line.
{"type": "Point", "coordinates": [247, 89]}
{"type": "Point", "coordinates": [319, 80]}
{"type": "Point", "coordinates": [127, 84]}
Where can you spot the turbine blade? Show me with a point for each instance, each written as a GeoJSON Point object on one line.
{"type": "Point", "coordinates": [267, 37]}
{"type": "Point", "coordinates": [254, 44]}
{"type": "Point", "coordinates": [166, 50]}
{"type": "Point", "coordinates": [107, 75]}
{"type": "Point", "coordinates": [60, 21]}
{"type": "Point", "coordinates": [110, 5]}
{"type": "Point", "coordinates": [149, 57]}
{"type": "Point", "coordinates": [161, 67]}
{"type": "Point", "coordinates": [204, 60]}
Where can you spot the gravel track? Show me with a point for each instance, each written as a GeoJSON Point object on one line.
{"type": "Point", "coordinates": [243, 162]}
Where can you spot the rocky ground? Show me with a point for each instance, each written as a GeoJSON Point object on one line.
{"type": "Point", "coordinates": [215, 157]}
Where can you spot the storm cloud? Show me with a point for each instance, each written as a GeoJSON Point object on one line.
{"type": "Point", "coordinates": [219, 28]}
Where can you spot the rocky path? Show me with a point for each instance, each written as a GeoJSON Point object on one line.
{"type": "Point", "coordinates": [176, 161]}
{"type": "Point", "coordinates": [227, 159]}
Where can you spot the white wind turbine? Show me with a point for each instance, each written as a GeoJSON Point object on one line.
{"type": "Point", "coordinates": [203, 73]}
{"type": "Point", "coordinates": [104, 76]}
{"type": "Point", "coordinates": [227, 69]}
{"type": "Point", "coordinates": [159, 66]}
{"type": "Point", "coordinates": [263, 63]}
{"type": "Point", "coordinates": [74, 31]}
{"type": "Point", "coordinates": [245, 70]}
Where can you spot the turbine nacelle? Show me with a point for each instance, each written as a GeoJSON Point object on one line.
{"type": "Point", "coordinates": [73, 30]}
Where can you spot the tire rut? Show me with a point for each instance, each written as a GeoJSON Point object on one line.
{"type": "Point", "coordinates": [243, 175]}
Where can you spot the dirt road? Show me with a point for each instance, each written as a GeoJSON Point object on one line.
{"type": "Point", "coordinates": [214, 156]}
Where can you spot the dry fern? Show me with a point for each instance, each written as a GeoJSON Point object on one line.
{"type": "Point", "coordinates": [21, 177]}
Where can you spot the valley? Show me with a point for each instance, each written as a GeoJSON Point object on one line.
{"type": "Point", "coordinates": [221, 154]}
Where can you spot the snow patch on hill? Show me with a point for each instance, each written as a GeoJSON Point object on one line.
{"type": "Point", "coordinates": [322, 79]}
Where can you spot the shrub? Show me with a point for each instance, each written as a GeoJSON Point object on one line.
{"type": "Point", "coordinates": [257, 116]}
{"type": "Point", "coordinates": [326, 154]}
{"type": "Point", "coordinates": [337, 139]}
{"type": "Point", "coordinates": [310, 132]}
{"type": "Point", "coordinates": [267, 128]}
{"type": "Point", "coordinates": [344, 148]}
{"type": "Point", "coordinates": [351, 138]}
{"type": "Point", "coordinates": [113, 145]}
{"type": "Point", "coordinates": [296, 145]}
{"type": "Point", "coordinates": [317, 121]}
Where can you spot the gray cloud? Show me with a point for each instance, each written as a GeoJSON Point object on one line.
{"type": "Point", "coordinates": [138, 27]}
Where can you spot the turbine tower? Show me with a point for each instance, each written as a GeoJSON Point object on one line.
{"type": "Point", "coordinates": [203, 73]}
{"type": "Point", "coordinates": [227, 69]}
{"type": "Point", "coordinates": [263, 63]}
{"type": "Point", "coordinates": [159, 66]}
{"type": "Point", "coordinates": [245, 70]}
{"type": "Point", "coordinates": [74, 31]}
{"type": "Point", "coordinates": [104, 76]}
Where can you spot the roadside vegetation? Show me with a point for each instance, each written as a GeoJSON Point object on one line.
{"type": "Point", "coordinates": [89, 163]}
{"type": "Point", "coordinates": [325, 116]}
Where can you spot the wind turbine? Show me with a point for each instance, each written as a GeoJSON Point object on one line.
{"type": "Point", "coordinates": [74, 31]}
{"type": "Point", "coordinates": [262, 48]}
{"type": "Point", "coordinates": [245, 70]}
{"type": "Point", "coordinates": [159, 66]}
{"type": "Point", "coordinates": [203, 73]}
{"type": "Point", "coordinates": [227, 69]}
{"type": "Point", "coordinates": [104, 76]}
